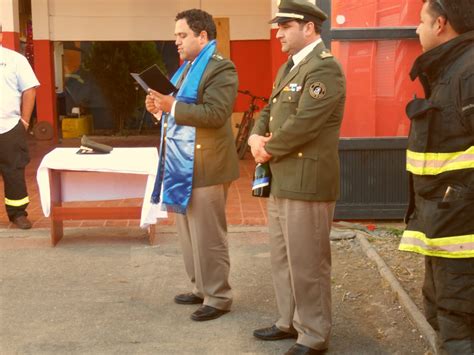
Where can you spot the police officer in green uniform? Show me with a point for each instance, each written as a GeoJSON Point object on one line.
{"type": "Point", "coordinates": [298, 134]}
{"type": "Point", "coordinates": [440, 160]}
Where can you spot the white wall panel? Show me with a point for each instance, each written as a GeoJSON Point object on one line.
{"type": "Point", "coordinates": [9, 15]}
{"type": "Point", "coordinates": [61, 20]}
{"type": "Point", "coordinates": [40, 15]}
{"type": "Point", "coordinates": [249, 27]}
{"type": "Point", "coordinates": [119, 8]}
{"type": "Point", "coordinates": [248, 18]}
{"type": "Point", "coordinates": [112, 28]}
{"type": "Point", "coordinates": [220, 8]}
{"type": "Point", "coordinates": [274, 10]}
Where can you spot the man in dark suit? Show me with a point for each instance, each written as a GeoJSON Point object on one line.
{"type": "Point", "coordinates": [298, 133]}
{"type": "Point", "coordinates": [202, 229]}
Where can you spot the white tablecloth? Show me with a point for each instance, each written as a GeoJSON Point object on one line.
{"type": "Point", "coordinates": [101, 177]}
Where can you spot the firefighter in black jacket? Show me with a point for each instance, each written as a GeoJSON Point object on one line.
{"type": "Point", "coordinates": [440, 160]}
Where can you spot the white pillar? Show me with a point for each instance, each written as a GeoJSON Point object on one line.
{"type": "Point", "coordinates": [9, 16]}
{"type": "Point", "coordinates": [40, 19]}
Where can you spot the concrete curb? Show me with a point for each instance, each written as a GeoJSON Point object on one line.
{"type": "Point", "coordinates": [411, 309]}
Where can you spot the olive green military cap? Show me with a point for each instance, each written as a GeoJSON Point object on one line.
{"type": "Point", "coordinates": [305, 10]}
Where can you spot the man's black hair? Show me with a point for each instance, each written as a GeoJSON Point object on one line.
{"type": "Point", "coordinates": [317, 25]}
{"type": "Point", "coordinates": [459, 13]}
{"type": "Point", "coordinates": [199, 21]}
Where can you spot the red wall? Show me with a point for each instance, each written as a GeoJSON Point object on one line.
{"type": "Point", "coordinates": [278, 57]}
{"type": "Point", "coordinates": [45, 94]}
{"type": "Point", "coordinates": [378, 85]}
{"type": "Point", "coordinates": [253, 61]}
{"type": "Point", "coordinates": [11, 40]}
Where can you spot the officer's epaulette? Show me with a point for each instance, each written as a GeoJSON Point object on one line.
{"type": "Point", "coordinates": [217, 57]}
{"type": "Point", "coordinates": [325, 54]}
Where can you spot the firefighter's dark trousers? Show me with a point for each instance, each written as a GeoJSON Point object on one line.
{"type": "Point", "coordinates": [448, 295]}
{"type": "Point", "coordinates": [14, 157]}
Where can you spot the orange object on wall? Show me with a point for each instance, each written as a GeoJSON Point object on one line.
{"type": "Point", "coordinates": [380, 13]}
{"type": "Point", "coordinates": [378, 85]}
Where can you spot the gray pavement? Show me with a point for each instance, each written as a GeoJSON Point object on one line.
{"type": "Point", "coordinates": [106, 291]}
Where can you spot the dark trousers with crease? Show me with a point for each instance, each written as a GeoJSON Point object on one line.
{"type": "Point", "coordinates": [448, 296]}
{"type": "Point", "coordinates": [14, 157]}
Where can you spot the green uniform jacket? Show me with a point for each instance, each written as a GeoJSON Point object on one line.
{"type": "Point", "coordinates": [304, 116]}
{"type": "Point", "coordinates": [215, 156]}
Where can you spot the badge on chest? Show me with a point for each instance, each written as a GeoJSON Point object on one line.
{"type": "Point", "coordinates": [294, 87]}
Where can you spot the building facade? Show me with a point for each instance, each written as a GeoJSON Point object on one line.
{"type": "Point", "coordinates": [374, 40]}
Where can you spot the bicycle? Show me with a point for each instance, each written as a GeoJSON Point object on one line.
{"type": "Point", "coordinates": [246, 125]}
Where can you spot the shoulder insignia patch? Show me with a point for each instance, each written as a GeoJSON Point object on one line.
{"type": "Point", "coordinates": [326, 54]}
{"type": "Point", "coordinates": [217, 56]}
{"type": "Point", "coordinates": [317, 90]}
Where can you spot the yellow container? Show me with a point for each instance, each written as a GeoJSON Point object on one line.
{"type": "Point", "coordinates": [73, 127]}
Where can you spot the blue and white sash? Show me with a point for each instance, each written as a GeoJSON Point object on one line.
{"type": "Point", "coordinates": [176, 165]}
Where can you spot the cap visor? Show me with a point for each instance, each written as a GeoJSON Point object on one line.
{"type": "Point", "coordinates": [279, 19]}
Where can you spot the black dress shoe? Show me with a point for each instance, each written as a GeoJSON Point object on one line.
{"type": "Point", "coordinates": [188, 298]}
{"type": "Point", "coordinates": [22, 222]}
{"type": "Point", "coordinates": [272, 333]}
{"type": "Point", "coordinates": [299, 349]}
{"type": "Point", "coordinates": [207, 313]}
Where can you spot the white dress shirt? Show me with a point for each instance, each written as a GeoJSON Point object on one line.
{"type": "Point", "coordinates": [298, 57]}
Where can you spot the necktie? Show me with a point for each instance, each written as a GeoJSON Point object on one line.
{"type": "Point", "coordinates": [289, 65]}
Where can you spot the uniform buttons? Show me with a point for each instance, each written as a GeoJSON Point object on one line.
{"type": "Point", "coordinates": [300, 155]}
{"type": "Point", "coordinates": [267, 134]}
{"type": "Point", "coordinates": [289, 98]}
{"type": "Point", "coordinates": [274, 100]}
{"type": "Point", "coordinates": [198, 146]}
{"type": "Point", "coordinates": [271, 118]}
{"type": "Point", "coordinates": [165, 125]}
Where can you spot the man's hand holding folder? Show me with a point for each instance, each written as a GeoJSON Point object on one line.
{"type": "Point", "coordinates": [153, 78]}
{"type": "Point", "coordinates": [156, 102]}
{"type": "Point", "coordinates": [158, 88]}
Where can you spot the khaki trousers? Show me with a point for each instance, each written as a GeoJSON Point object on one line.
{"type": "Point", "coordinates": [301, 267]}
{"type": "Point", "coordinates": [202, 232]}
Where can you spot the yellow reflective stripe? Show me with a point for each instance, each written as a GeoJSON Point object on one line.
{"type": "Point", "coordinates": [441, 254]}
{"type": "Point", "coordinates": [447, 247]}
{"type": "Point", "coordinates": [437, 163]}
{"type": "Point", "coordinates": [17, 203]}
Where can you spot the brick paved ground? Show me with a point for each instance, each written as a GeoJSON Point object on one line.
{"type": "Point", "coordinates": [242, 208]}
